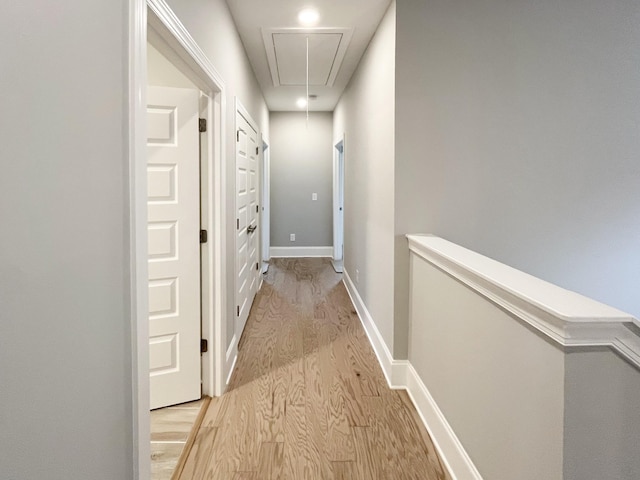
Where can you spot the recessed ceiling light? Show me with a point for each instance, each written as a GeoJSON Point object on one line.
{"type": "Point", "coordinates": [308, 17]}
{"type": "Point", "coordinates": [301, 103]}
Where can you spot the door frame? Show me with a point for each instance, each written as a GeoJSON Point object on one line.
{"type": "Point", "coordinates": [156, 14]}
{"type": "Point", "coordinates": [232, 351]}
{"type": "Point", "coordinates": [338, 202]}
{"type": "Point", "coordinates": [266, 205]}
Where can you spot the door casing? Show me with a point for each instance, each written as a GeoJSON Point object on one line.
{"type": "Point", "coordinates": [265, 206]}
{"type": "Point", "coordinates": [146, 15]}
{"type": "Point", "coordinates": [338, 203]}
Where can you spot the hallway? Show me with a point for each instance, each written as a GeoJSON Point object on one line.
{"type": "Point", "coordinates": [307, 399]}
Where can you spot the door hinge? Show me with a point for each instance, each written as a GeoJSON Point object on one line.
{"type": "Point", "coordinates": [203, 236]}
{"type": "Point", "coordinates": [202, 125]}
{"type": "Point", "coordinates": [257, 209]}
{"type": "Point", "coordinates": [204, 345]}
{"type": "Point", "coordinates": [238, 311]}
{"type": "Point", "coordinates": [256, 265]}
{"type": "Point", "coordinates": [237, 135]}
{"type": "Point", "coordinates": [257, 150]}
{"type": "Point", "coordinates": [237, 224]}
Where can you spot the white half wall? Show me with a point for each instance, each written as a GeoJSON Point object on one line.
{"type": "Point", "coordinates": [501, 361]}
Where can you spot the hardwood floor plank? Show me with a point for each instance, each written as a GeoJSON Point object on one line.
{"type": "Point", "coordinates": [245, 476]}
{"type": "Point", "coordinates": [343, 470]}
{"type": "Point", "coordinates": [164, 457]}
{"type": "Point", "coordinates": [366, 464]}
{"type": "Point", "coordinates": [197, 462]}
{"type": "Point", "coordinates": [270, 463]}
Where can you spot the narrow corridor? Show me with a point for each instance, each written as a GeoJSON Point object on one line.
{"type": "Point", "coordinates": [307, 399]}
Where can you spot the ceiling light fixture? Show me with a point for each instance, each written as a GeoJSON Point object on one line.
{"type": "Point", "coordinates": [301, 102]}
{"type": "Point", "coordinates": [308, 17]}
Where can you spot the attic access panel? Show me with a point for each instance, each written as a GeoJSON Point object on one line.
{"type": "Point", "coordinates": [286, 54]}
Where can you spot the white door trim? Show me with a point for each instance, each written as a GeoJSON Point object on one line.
{"type": "Point", "coordinates": [137, 204]}
{"type": "Point", "coordinates": [265, 203]}
{"type": "Point", "coordinates": [232, 351]}
{"type": "Point", "coordinates": [338, 216]}
{"type": "Point", "coordinates": [167, 24]}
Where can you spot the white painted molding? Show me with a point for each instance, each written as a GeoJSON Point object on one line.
{"type": "Point", "coordinates": [566, 317]}
{"type": "Point", "coordinates": [394, 370]}
{"type": "Point", "coordinates": [165, 22]}
{"type": "Point", "coordinates": [298, 252]}
{"type": "Point", "coordinates": [451, 451]}
{"type": "Point", "coordinates": [169, 20]}
{"type": "Point", "coordinates": [138, 255]}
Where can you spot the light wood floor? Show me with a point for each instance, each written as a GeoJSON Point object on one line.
{"type": "Point", "coordinates": [170, 429]}
{"type": "Point", "coordinates": [307, 399]}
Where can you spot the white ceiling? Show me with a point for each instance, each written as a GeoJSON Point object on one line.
{"type": "Point", "coordinates": [276, 45]}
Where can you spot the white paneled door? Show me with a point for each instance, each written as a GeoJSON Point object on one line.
{"type": "Point", "coordinates": [247, 263]}
{"type": "Point", "coordinates": [174, 245]}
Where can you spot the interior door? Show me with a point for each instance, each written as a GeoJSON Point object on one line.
{"type": "Point", "coordinates": [174, 245]}
{"type": "Point", "coordinates": [247, 235]}
{"type": "Point", "coordinates": [265, 207]}
{"type": "Point", "coordinates": [338, 207]}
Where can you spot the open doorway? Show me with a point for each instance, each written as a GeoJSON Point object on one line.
{"type": "Point", "coordinates": [338, 206]}
{"type": "Point", "coordinates": [266, 241]}
{"type": "Point", "coordinates": [153, 21]}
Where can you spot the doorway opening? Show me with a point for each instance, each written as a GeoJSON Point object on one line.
{"type": "Point", "coordinates": [266, 241]}
{"type": "Point", "coordinates": [338, 206]}
{"type": "Point", "coordinates": [153, 21]}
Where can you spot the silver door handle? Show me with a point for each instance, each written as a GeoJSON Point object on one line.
{"type": "Point", "coordinates": [251, 228]}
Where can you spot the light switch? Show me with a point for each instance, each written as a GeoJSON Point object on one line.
{"type": "Point", "coordinates": [314, 196]}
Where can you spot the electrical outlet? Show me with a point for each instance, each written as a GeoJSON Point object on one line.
{"type": "Point", "coordinates": [357, 275]}
{"type": "Point", "coordinates": [292, 237]}
{"type": "Point", "coordinates": [314, 196]}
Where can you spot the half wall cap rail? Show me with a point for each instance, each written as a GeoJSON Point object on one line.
{"type": "Point", "coordinates": [568, 318]}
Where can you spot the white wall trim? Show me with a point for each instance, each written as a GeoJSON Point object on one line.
{"type": "Point", "coordinates": [166, 23]}
{"type": "Point", "coordinates": [447, 444]}
{"type": "Point", "coordinates": [566, 317]}
{"type": "Point", "coordinates": [394, 370]}
{"type": "Point", "coordinates": [298, 252]}
{"type": "Point", "coordinates": [163, 12]}
{"type": "Point", "coordinates": [138, 255]}
{"type": "Point", "coordinates": [168, 26]}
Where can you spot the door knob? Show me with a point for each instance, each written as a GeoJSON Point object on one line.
{"type": "Point", "coordinates": [251, 228]}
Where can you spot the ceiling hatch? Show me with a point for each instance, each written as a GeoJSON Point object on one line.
{"type": "Point", "coordinates": [286, 50]}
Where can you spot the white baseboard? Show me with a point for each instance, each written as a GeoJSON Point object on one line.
{"type": "Point", "coordinates": [400, 374]}
{"type": "Point", "coordinates": [444, 438]}
{"type": "Point", "coordinates": [297, 252]}
{"type": "Point", "coordinates": [394, 370]}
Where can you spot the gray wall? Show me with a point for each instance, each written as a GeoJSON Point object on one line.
{"type": "Point", "coordinates": [65, 347]}
{"type": "Point", "coordinates": [517, 137]}
{"type": "Point", "coordinates": [365, 115]}
{"type": "Point", "coordinates": [602, 419]}
{"type": "Point", "coordinates": [211, 25]}
{"type": "Point", "coordinates": [301, 164]}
